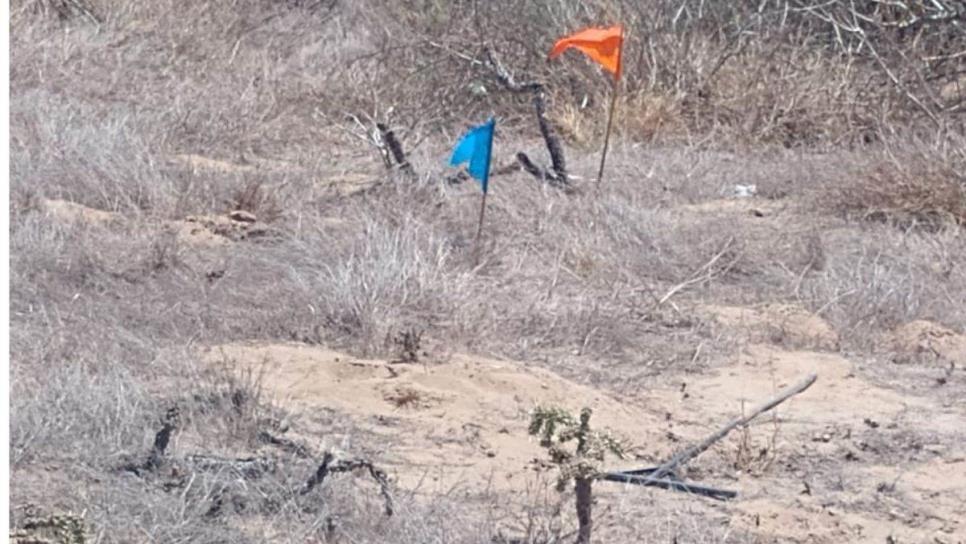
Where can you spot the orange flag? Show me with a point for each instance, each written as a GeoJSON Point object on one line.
{"type": "Point", "coordinates": [603, 45]}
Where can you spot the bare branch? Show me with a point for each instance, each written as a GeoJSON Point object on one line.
{"type": "Point", "coordinates": [692, 452]}
{"type": "Point", "coordinates": [332, 465]}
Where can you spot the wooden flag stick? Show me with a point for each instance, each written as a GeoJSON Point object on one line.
{"type": "Point", "coordinates": [479, 228]}
{"type": "Point", "coordinates": [610, 121]}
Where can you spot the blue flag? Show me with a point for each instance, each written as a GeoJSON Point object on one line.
{"type": "Point", "coordinates": [475, 148]}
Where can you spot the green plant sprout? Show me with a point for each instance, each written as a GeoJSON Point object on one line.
{"type": "Point", "coordinates": [556, 428]}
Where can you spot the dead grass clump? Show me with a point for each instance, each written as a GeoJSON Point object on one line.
{"type": "Point", "coordinates": [61, 9]}
{"type": "Point", "coordinates": [407, 397]}
{"type": "Point", "coordinates": [254, 199]}
{"type": "Point", "coordinates": [408, 344]}
{"type": "Point", "coordinates": [912, 186]}
{"type": "Point", "coordinates": [882, 277]}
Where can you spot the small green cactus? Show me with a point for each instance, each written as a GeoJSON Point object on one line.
{"type": "Point", "coordinates": [556, 427]}
{"type": "Point", "coordinates": [53, 529]}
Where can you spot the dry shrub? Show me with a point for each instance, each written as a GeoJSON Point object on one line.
{"type": "Point", "coordinates": [746, 73]}
{"type": "Point", "coordinates": [254, 198]}
{"type": "Point", "coordinates": [103, 319]}
{"type": "Point", "coordinates": [61, 9]}
{"type": "Point", "coordinates": [908, 185]}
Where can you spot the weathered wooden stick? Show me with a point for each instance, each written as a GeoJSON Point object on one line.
{"type": "Point", "coordinates": [554, 149]}
{"type": "Point", "coordinates": [610, 122]}
{"type": "Point", "coordinates": [395, 150]}
{"type": "Point", "coordinates": [671, 484]}
{"type": "Point", "coordinates": [694, 451]}
{"type": "Point", "coordinates": [558, 176]}
{"type": "Point", "coordinates": [533, 169]}
{"type": "Point", "coordinates": [330, 464]}
{"type": "Point", "coordinates": [168, 426]}
{"type": "Point", "coordinates": [250, 468]}
{"type": "Point", "coordinates": [703, 274]}
{"type": "Point", "coordinates": [479, 229]}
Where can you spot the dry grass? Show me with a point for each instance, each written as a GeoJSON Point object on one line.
{"type": "Point", "coordinates": [106, 318]}
{"type": "Point", "coordinates": [908, 184]}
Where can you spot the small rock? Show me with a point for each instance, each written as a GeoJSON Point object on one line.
{"type": "Point", "coordinates": [242, 216]}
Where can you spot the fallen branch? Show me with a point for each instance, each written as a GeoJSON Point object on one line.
{"type": "Point", "coordinates": [395, 151]}
{"type": "Point", "coordinates": [250, 468]}
{"type": "Point", "coordinates": [692, 452]}
{"type": "Point", "coordinates": [169, 424]}
{"type": "Point", "coordinates": [705, 273]}
{"type": "Point", "coordinates": [332, 465]}
{"type": "Point", "coordinates": [558, 175]}
{"type": "Point", "coordinates": [672, 484]}
{"type": "Point", "coordinates": [66, 9]}
{"type": "Point", "coordinates": [290, 446]}
{"type": "Point", "coordinates": [533, 169]}
{"type": "Point", "coordinates": [163, 437]}
{"type": "Point", "coordinates": [664, 476]}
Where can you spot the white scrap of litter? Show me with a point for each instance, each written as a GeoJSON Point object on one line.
{"type": "Point", "coordinates": [745, 191]}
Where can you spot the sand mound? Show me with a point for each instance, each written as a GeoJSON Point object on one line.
{"type": "Point", "coordinates": [72, 212]}
{"type": "Point", "coordinates": [783, 324]}
{"type": "Point", "coordinates": [459, 423]}
{"type": "Point", "coordinates": [347, 184]}
{"type": "Point", "coordinates": [751, 207]}
{"type": "Point", "coordinates": [927, 340]}
{"type": "Point", "coordinates": [198, 230]}
{"type": "Point", "coordinates": [217, 230]}
{"type": "Point", "coordinates": [201, 163]}
{"type": "Point", "coordinates": [841, 417]}
{"type": "Point", "coordinates": [761, 371]}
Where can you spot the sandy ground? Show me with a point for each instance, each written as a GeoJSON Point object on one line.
{"type": "Point", "coordinates": [852, 459]}
{"type": "Point", "coordinates": [835, 465]}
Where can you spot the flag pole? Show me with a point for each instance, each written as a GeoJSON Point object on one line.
{"type": "Point", "coordinates": [610, 122]}
{"type": "Point", "coordinates": [479, 228]}
{"type": "Point", "coordinates": [479, 231]}
{"type": "Point", "coordinates": [613, 106]}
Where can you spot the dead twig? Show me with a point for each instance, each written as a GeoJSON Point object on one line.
{"type": "Point", "coordinates": [330, 464]}
{"type": "Point", "coordinates": [703, 274]}
{"type": "Point", "coordinates": [692, 452]}
{"type": "Point", "coordinates": [290, 446]}
{"type": "Point", "coordinates": [169, 424]}
{"type": "Point", "coordinates": [557, 176]}
{"type": "Point", "coordinates": [250, 468]}
{"type": "Point", "coordinates": [641, 477]}
{"type": "Point", "coordinates": [395, 150]}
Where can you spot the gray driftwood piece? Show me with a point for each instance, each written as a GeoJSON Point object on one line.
{"type": "Point", "coordinates": [557, 174]}
{"type": "Point", "coordinates": [656, 476]}
{"type": "Point", "coordinates": [330, 464]}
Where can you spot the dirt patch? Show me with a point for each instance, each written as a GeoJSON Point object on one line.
{"type": "Point", "coordinates": [809, 477]}
{"type": "Point", "coordinates": [917, 503]}
{"type": "Point", "coordinates": [217, 230]}
{"type": "Point", "coordinates": [849, 460]}
{"type": "Point", "coordinates": [201, 163]}
{"type": "Point", "coordinates": [198, 230]}
{"type": "Point", "coordinates": [750, 207]}
{"type": "Point", "coordinates": [72, 212]}
{"type": "Point", "coordinates": [463, 422]}
{"type": "Point", "coordinates": [347, 184]}
{"type": "Point", "coordinates": [783, 324]}
{"type": "Point", "coordinates": [925, 340]}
